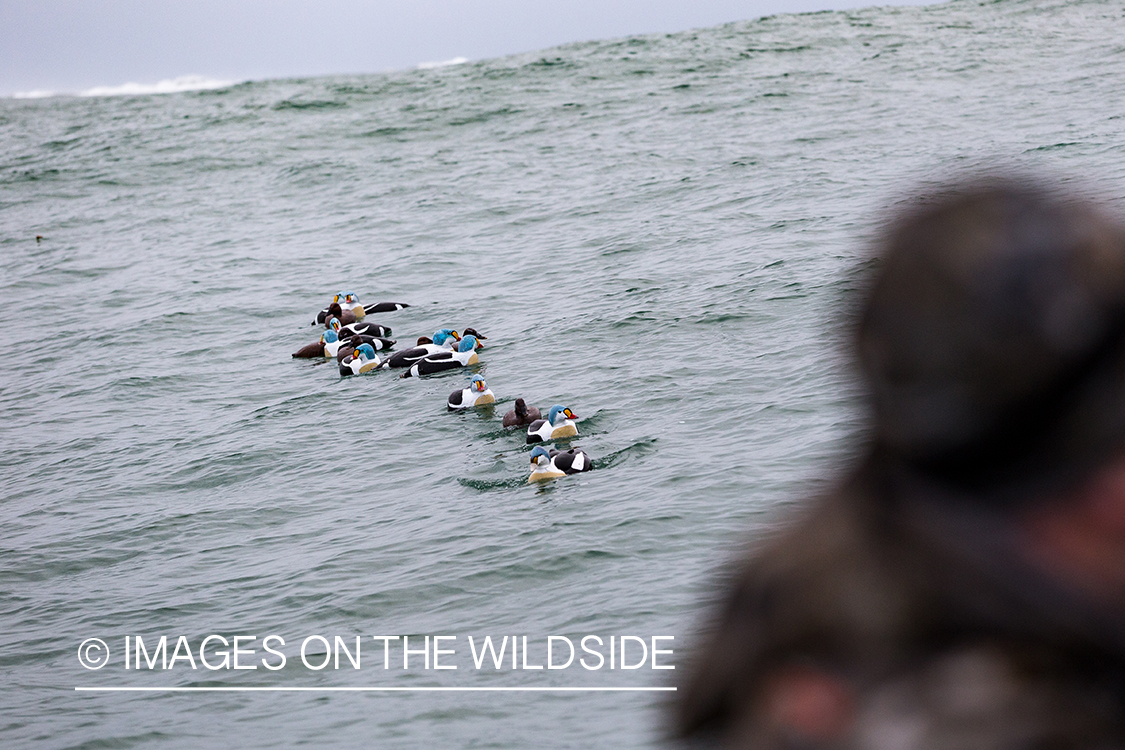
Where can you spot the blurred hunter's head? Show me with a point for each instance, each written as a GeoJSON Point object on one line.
{"type": "Point", "coordinates": [993, 342]}
{"type": "Point", "coordinates": [978, 549]}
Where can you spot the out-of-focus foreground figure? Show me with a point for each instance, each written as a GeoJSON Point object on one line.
{"type": "Point", "coordinates": [965, 586]}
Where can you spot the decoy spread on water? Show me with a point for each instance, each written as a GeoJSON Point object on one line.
{"type": "Point", "coordinates": [354, 343]}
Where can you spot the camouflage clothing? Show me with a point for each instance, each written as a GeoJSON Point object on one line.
{"type": "Point", "coordinates": [883, 622]}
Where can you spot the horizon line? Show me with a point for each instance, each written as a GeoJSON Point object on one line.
{"type": "Point", "coordinates": [238, 78]}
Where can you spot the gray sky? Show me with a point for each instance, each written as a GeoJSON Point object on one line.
{"type": "Point", "coordinates": [72, 45]}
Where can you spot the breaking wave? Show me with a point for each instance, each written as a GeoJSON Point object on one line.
{"type": "Point", "coordinates": [167, 86]}
{"type": "Point", "coordinates": [443, 63]}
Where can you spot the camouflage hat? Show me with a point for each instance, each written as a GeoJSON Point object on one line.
{"type": "Point", "coordinates": [993, 341]}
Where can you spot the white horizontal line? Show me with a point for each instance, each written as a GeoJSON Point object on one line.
{"type": "Point", "coordinates": [378, 689]}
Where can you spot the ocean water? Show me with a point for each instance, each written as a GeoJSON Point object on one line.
{"type": "Point", "coordinates": [664, 233]}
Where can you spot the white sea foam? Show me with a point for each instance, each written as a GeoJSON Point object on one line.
{"type": "Point", "coordinates": [167, 86]}
{"type": "Point", "coordinates": [442, 64]}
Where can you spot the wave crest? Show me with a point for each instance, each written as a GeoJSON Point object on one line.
{"type": "Point", "coordinates": [442, 64]}
{"type": "Point", "coordinates": [167, 86]}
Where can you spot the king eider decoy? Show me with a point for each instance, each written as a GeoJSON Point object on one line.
{"type": "Point", "coordinates": [465, 355]}
{"type": "Point", "coordinates": [382, 307]}
{"type": "Point", "coordinates": [558, 424]}
{"type": "Point", "coordinates": [345, 301]}
{"type": "Point", "coordinates": [363, 359]}
{"type": "Point", "coordinates": [477, 394]}
{"type": "Point", "coordinates": [347, 346]}
{"type": "Point", "coordinates": [551, 464]}
{"type": "Point", "coordinates": [350, 301]}
{"type": "Point", "coordinates": [367, 328]}
{"type": "Point", "coordinates": [442, 341]}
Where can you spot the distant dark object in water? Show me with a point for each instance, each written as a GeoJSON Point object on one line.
{"type": "Point", "coordinates": [521, 414]}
